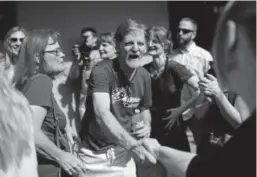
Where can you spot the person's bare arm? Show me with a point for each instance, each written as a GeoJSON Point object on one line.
{"type": "Point", "coordinates": [109, 123]}
{"type": "Point", "coordinates": [115, 131]}
{"type": "Point", "coordinates": [176, 162]}
{"type": "Point", "coordinates": [233, 114]}
{"type": "Point", "coordinates": [46, 148]}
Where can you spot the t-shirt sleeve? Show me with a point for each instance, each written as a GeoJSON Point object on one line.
{"type": "Point", "coordinates": [183, 73]}
{"type": "Point", "coordinates": [39, 91]}
{"type": "Point", "coordinates": [99, 79]}
{"type": "Point", "coordinates": [147, 98]}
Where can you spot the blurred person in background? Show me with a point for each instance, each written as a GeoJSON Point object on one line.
{"type": "Point", "coordinates": [107, 46]}
{"type": "Point", "coordinates": [198, 61]}
{"type": "Point", "coordinates": [11, 46]}
{"type": "Point", "coordinates": [86, 56]}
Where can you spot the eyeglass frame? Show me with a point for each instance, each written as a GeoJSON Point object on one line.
{"type": "Point", "coordinates": [55, 52]}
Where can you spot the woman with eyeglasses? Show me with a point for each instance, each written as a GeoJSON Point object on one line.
{"type": "Point", "coordinates": [168, 77]}
{"type": "Point", "coordinates": [39, 61]}
{"type": "Point", "coordinates": [12, 43]}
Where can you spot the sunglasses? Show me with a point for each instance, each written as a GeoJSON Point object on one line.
{"type": "Point", "coordinates": [185, 31]}
{"type": "Point", "coordinates": [14, 39]}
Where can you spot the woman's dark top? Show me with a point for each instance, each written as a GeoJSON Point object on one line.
{"type": "Point", "coordinates": [236, 159]}
{"type": "Point", "coordinates": [38, 91]}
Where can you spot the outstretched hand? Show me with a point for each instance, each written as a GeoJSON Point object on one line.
{"type": "Point", "coordinates": [174, 114]}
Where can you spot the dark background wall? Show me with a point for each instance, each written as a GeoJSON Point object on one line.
{"type": "Point", "coordinates": [7, 18]}
{"type": "Point", "coordinates": [70, 17]}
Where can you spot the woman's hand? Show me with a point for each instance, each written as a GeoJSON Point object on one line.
{"type": "Point", "coordinates": [143, 132]}
{"type": "Point", "coordinates": [71, 164]}
{"type": "Point", "coordinates": [174, 114]}
{"type": "Point", "coordinates": [210, 86]}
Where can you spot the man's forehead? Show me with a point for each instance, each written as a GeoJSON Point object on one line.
{"type": "Point", "coordinates": [87, 33]}
{"type": "Point", "coordinates": [186, 25]}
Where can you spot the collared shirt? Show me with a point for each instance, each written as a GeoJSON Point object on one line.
{"type": "Point", "coordinates": [197, 60]}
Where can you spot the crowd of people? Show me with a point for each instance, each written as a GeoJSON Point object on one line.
{"type": "Point", "coordinates": [139, 100]}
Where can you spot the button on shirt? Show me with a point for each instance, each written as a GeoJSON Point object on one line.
{"type": "Point", "coordinates": [197, 60]}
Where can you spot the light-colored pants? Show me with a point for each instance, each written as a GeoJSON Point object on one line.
{"type": "Point", "coordinates": [115, 162]}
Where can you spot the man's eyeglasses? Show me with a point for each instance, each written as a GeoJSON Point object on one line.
{"type": "Point", "coordinates": [185, 31]}
{"type": "Point", "coordinates": [56, 52]}
{"type": "Point", "coordinates": [14, 39]}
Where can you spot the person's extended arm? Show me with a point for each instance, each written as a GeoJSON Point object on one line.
{"type": "Point", "coordinates": [48, 149]}
{"type": "Point", "coordinates": [109, 123]}
{"type": "Point", "coordinates": [228, 111]}
{"type": "Point", "coordinates": [176, 162]}
{"type": "Point", "coordinates": [113, 128]}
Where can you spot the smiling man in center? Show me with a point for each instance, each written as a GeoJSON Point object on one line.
{"type": "Point", "coordinates": [117, 114]}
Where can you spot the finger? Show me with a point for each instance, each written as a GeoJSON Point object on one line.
{"type": "Point", "coordinates": [210, 77]}
{"type": "Point", "coordinates": [149, 156]}
{"type": "Point", "coordinates": [167, 118]}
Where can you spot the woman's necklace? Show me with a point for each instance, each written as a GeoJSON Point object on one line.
{"type": "Point", "coordinates": [160, 64]}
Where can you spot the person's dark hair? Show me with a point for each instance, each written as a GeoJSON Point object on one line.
{"type": "Point", "coordinates": [192, 21]}
{"type": "Point", "coordinates": [107, 37]}
{"type": "Point", "coordinates": [243, 13]}
{"type": "Point", "coordinates": [32, 50]}
{"type": "Point", "coordinates": [163, 36]}
{"type": "Point", "coordinates": [128, 26]}
{"type": "Point", "coordinates": [93, 30]}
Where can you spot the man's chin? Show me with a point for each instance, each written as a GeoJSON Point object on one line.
{"type": "Point", "coordinates": [134, 63]}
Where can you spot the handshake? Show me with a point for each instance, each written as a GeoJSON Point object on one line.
{"type": "Point", "coordinates": [146, 151]}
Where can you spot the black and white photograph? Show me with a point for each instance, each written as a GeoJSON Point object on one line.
{"type": "Point", "coordinates": [128, 88]}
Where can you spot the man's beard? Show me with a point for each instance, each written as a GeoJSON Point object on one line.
{"type": "Point", "coordinates": [183, 42]}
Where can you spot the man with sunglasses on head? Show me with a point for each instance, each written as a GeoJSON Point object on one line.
{"type": "Point", "coordinates": [197, 60]}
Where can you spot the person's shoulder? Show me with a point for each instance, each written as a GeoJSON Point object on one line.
{"type": "Point", "coordinates": [41, 79]}
{"type": "Point", "coordinates": [102, 67]}
{"type": "Point", "coordinates": [143, 73]}
{"type": "Point", "coordinates": [175, 53]}
{"type": "Point", "coordinates": [103, 64]}
{"type": "Point", "coordinates": [204, 51]}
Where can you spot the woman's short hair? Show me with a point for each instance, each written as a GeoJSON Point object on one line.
{"type": "Point", "coordinates": [163, 36]}
{"type": "Point", "coordinates": [107, 37]}
{"type": "Point", "coordinates": [33, 48]}
{"type": "Point", "coordinates": [126, 27]}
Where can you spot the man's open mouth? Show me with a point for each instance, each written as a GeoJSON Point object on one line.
{"type": "Point", "coordinates": [133, 56]}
